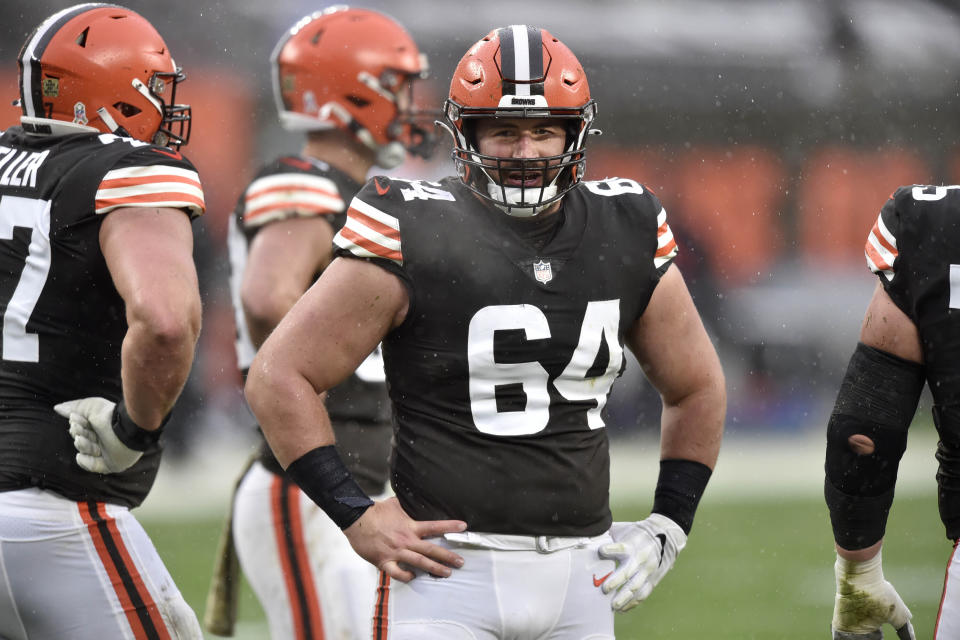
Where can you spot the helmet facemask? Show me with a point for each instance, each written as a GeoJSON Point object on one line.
{"type": "Point", "coordinates": [411, 129]}
{"type": "Point", "coordinates": [175, 123]}
{"type": "Point", "coordinates": [557, 173]}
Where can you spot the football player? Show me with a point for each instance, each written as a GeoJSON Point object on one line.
{"type": "Point", "coordinates": [504, 298]}
{"type": "Point", "coordinates": [910, 337]}
{"type": "Point", "coordinates": [344, 77]}
{"type": "Point", "coordinates": [101, 314]}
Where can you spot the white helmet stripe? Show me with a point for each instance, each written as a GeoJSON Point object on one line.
{"type": "Point", "coordinates": [521, 57]}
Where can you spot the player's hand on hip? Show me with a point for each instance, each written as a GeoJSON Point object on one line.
{"type": "Point", "coordinates": [91, 424]}
{"type": "Point", "coordinates": [391, 540]}
{"type": "Point", "coordinates": [865, 601]}
{"type": "Point", "coordinates": [644, 552]}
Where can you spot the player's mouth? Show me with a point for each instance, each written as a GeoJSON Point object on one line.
{"type": "Point", "coordinates": [522, 179]}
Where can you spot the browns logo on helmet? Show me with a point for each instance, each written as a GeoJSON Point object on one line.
{"type": "Point", "coordinates": [519, 72]}
{"type": "Point", "coordinates": [353, 69]}
{"type": "Point", "coordinates": [101, 67]}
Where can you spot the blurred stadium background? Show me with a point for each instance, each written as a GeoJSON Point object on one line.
{"type": "Point", "coordinates": [773, 131]}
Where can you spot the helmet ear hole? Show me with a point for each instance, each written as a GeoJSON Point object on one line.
{"type": "Point", "coordinates": [357, 101]}
{"type": "Point", "coordinates": [126, 109]}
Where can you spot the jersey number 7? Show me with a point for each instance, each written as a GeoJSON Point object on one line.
{"type": "Point", "coordinates": [32, 270]}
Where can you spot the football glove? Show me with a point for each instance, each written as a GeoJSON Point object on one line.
{"type": "Point", "coordinates": [644, 551]}
{"type": "Point", "coordinates": [91, 424]}
{"type": "Point", "coordinates": [865, 601]}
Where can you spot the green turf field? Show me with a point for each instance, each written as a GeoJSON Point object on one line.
{"type": "Point", "coordinates": [754, 568]}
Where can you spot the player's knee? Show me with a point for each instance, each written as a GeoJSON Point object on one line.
{"type": "Point", "coordinates": [862, 460]}
{"type": "Point", "coordinates": [861, 445]}
{"type": "Point", "coordinates": [867, 433]}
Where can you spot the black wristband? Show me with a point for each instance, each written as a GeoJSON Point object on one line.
{"type": "Point", "coordinates": [679, 488]}
{"type": "Point", "coordinates": [321, 474]}
{"type": "Point", "coordinates": [130, 433]}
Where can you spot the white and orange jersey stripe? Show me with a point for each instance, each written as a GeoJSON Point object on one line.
{"type": "Point", "coordinates": [881, 249]}
{"type": "Point", "coordinates": [288, 195]}
{"type": "Point", "coordinates": [666, 244]}
{"type": "Point", "coordinates": [151, 186]}
{"type": "Point", "coordinates": [370, 233]}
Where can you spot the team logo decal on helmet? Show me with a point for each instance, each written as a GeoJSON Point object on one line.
{"type": "Point", "coordinates": [101, 67]}
{"type": "Point", "coordinates": [353, 69]}
{"type": "Point", "coordinates": [80, 113]}
{"type": "Point", "coordinates": [519, 72]}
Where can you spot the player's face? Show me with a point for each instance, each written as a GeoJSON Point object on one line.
{"type": "Point", "coordinates": [520, 138]}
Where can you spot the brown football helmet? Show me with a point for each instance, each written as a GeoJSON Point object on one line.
{"type": "Point", "coordinates": [353, 69]}
{"type": "Point", "coordinates": [519, 72]}
{"type": "Point", "coordinates": [101, 67]}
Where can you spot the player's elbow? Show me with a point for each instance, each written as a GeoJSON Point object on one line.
{"type": "Point", "coordinates": [167, 323]}
{"type": "Point", "coordinates": [259, 387]}
{"type": "Point", "coordinates": [263, 311]}
{"type": "Point", "coordinates": [706, 384]}
{"type": "Point", "coordinates": [265, 305]}
{"type": "Point", "coordinates": [718, 383]}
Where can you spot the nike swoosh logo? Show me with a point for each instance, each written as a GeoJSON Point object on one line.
{"type": "Point", "coordinates": [170, 154]}
{"type": "Point", "coordinates": [599, 581]}
{"type": "Point", "coordinates": [380, 190]}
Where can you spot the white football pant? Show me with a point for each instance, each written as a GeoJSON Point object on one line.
{"type": "Point", "coordinates": [83, 571]}
{"type": "Point", "coordinates": [948, 619]}
{"type": "Point", "coordinates": [509, 587]}
{"type": "Point", "coordinates": [303, 570]}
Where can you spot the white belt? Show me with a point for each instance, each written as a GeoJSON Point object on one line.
{"type": "Point", "coordinates": [507, 542]}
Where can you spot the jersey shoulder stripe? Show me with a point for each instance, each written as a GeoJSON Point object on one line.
{"type": "Point", "coordinates": [370, 233]}
{"type": "Point", "coordinates": [634, 200]}
{"type": "Point", "coordinates": [666, 243]}
{"type": "Point", "coordinates": [150, 186]}
{"type": "Point", "coordinates": [285, 195]}
{"type": "Point", "coordinates": [881, 249]}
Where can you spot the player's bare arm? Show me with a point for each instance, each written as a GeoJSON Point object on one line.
{"type": "Point", "coordinates": [149, 253]}
{"type": "Point", "coordinates": [676, 355]}
{"type": "Point", "coordinates": [678, 358]}
{"type": "Point", "coordinates": [318, 344]}
{"type": "Point", "coordinates": [321, 341]}
{"type": "Point", "coordinates": [888, 328]}
{"type": "Point", "coordinates": [284, 258]}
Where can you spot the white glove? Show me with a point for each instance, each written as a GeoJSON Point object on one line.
{"type": "Point", "coordinates": [865, 601]}
{"type": "Point", "coordinates": [644, 551]}
{"type": "Point", "coordinates": [91, 425]}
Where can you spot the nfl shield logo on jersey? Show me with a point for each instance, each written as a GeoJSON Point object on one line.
{"type": "Point", "coordinates": [542, 272]}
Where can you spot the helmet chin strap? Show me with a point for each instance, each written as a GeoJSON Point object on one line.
{"type": "Point", "coordinates": [111, 123]}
